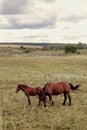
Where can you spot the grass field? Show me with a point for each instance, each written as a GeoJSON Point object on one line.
{"type": "Point", "coordinates": [36, 70]}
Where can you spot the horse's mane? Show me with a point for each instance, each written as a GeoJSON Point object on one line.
{"type": "Point", "coordinates": [23, 85]}
{"type": "Point", "coordinates": [45, 86]}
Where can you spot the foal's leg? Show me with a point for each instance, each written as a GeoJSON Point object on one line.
{"type": "Point", "coordinates": [65, 98]}
{"type": "Point", "coordinates": [29, 100]}
{"type": "Point", "coordinates": [69, 97]}
{"type": "Point", "coordinates": [40, 101]}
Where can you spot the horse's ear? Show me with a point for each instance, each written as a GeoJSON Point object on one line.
{"type": "Point", "coordinates": [19, 85]}
{"type": "Point", "coordinates": [79, 85]}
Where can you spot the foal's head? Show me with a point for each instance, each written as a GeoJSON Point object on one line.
{"type": "Point", "coordinates": [18, 88]}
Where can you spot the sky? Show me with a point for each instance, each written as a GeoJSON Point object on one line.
{"type": "Point", "coordinates": [54, 21]}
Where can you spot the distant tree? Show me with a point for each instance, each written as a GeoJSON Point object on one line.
{"type": "Point", "coordinates": [22, 47]}
{"type": "Point", "coordinates": [70, 48]}
{"type": "Point", "coordinates": [81, 45]}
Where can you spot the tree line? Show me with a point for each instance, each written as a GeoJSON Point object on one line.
{"type": "Point", "coordinates": [68, 48]}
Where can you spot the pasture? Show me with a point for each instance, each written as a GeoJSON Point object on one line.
{"type": "Point", "coordinates": [36, 70]}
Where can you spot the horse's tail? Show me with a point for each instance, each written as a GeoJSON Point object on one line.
{"type": "Point", "coordinates": [72, 87]}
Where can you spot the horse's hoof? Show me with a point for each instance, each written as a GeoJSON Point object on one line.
{"type": "Point", "coordinates": [69, 104]}
{"type": "Point", "coordinates": [52, 103]}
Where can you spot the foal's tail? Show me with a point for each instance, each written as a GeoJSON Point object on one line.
{"type": "Point", "coordinates": [72, 87]}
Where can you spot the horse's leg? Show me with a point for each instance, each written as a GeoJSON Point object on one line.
{"type": "Point", "coordinates": [50, 99]}
{"type": "Point", "coordinates": [69, 97]}
{"type": "Point", "coordinates": [44, 100]}
{"type": "Point", "coordinates": [29, 100]}
{"type": "Point", "coordinates": [65, 98]}
{"type": "Point", "coordinates": [40, 101]}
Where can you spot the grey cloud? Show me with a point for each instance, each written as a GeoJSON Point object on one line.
{"type": "Point", "coordinates": [35, 36]}
{"type": "Point", "coordinates": [13, 6]}
{"type": "Point", "coordinates": [73, 18]}
{"type": "Point", "coordinates": [16, 23]}
{"type": "Point", "coordinates": [18, 6]}
{"type": "Point", "coordinates": [43, 24]}
{"type": "Point", "coordinates": [12, 9]}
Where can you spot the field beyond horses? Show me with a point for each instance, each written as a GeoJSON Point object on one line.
{"type": "Point", "coordinates": [16, 114]}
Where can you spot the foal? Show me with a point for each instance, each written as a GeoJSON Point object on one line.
{"type": "Point", "coordinates": [31, 92]}
{"type": "Point", "coordinates": [57, 89]}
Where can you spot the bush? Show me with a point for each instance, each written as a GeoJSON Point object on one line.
{"type": "Point", "coordinates": [28, 50]}
{"type": "Point", "coordinates": [78, 52]}
{"type": "Point", "coordinates": [22, 47]}
{"type": "Point", "coordinates": [70, 49]}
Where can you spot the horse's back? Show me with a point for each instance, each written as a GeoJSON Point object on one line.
{"type": "Point", "coordinates": [57, 88]}
{"type": "Point", "coordinates": [38, 90]}
{"type": "Point", "coordinates": [64, 86]}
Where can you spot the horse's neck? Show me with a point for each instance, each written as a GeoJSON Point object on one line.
{"type": "Point", "coordinates": [23, 88]}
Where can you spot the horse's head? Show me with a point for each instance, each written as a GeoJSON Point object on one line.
{"type": "Point", "coordinates": [41, 95]}
{"type": "Point", "coordinates": [18, 88]}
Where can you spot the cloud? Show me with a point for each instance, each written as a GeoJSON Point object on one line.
{"type": "Point", "coordinates": [4, 22]}
{"type": "Point", "coordinates": [51, 1]}
{"type": "Point", "coordinates": [19, 6]}
{"type": "Point", "coordinates": [54, 17]}
{"type": "Point", "coordinates": [73, 18]}
{"type": "Point", "coordinates": [29, 14]}
{"type": "Point", "coordinates": [24, 21]}
{"type": "Point", "coordinates": [74, 37]}
{"type": "Point", "coordinates": [19, 14]}
{"type": "Point", "coordinates": [13, 6]}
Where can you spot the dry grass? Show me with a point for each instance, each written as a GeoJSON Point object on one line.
{"type": "Point", "coordinates": [17, 46]}
{"type": "Point", "coordinates": [15, 114]}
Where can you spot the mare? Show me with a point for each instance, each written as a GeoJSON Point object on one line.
{"type": "Point", "coordinates": [57, 89]}
{"type": "Point", "coordinates": [29, 91]}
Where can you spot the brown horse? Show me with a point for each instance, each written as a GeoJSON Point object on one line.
{"type": "Point", "coordinates": [57, 89]}
{"type": "Point", "coordinates": [29, 91]}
